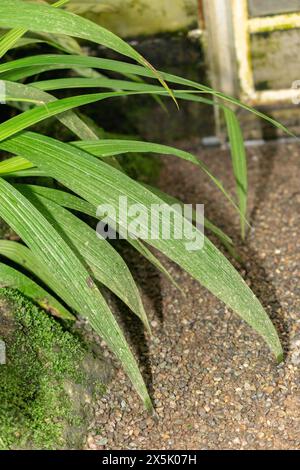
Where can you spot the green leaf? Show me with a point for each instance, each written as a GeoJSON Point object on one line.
{"type": "Point", "coordinates": [53, 251]}
{"type": "Point", "coordinates": [239, 163]}
{"type": "Point", "coordinates": [18, 91]}
{"type": "Point", "coordinates": [42, 18]}
{"type": "Point", "coordinates": [10, 38]}
{"type": "Point", "coordinates": [10, 277]}
{"type": "Point", "coordinates": [109, 148]}
{"type": "Point", "coordinates": [207, 224]}
{"type": "Point", "coordinates": [21, 255]}
{"type": "Point", "coordinates": [66, 62]}
{"type": "Point", "coordinates": [14, 164]}
{"type": "Point", "coordinates": [75, 203]}
{"type": "Point", "coordinates": [33, 116]}
{"type": "Point", "coordinates": [49, 109]}
{"type": "Point", "coordinates": [99, 183]}
{"type": "Point", "coordinates": [100, 258]}
{"type": "Point", "coordinates": [102, 82]}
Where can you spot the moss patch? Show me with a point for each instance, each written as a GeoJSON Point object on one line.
{"type": "Point", "coordinates": [141, 167]}
{"type": "Point", "coordinates": [46, 388]}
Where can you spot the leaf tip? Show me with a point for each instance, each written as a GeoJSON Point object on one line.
{"type": "Point", "coordinates": [161, 80]}
{"type": "Point", "coordinates": [280, 357]}
{"type": "Point", "coordinates": [149, 406]}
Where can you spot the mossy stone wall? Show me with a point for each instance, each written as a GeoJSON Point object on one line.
{"type": "Point", "coordinates": [48, 382]}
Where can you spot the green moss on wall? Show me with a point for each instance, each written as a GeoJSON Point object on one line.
{"type": "Point", "coordinates": [45, 386]}
{"type": "Point", "coordinates": [141, 167]}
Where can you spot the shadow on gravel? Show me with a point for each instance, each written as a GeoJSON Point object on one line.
{"type": "Point", "coordinates": [135, 333]}
{"type": "Point", "coordinates": [250, 266]}
{"type": "Point", "coordinates": [260, 282]}
{"type": "Point", "coordinates": [147, 279]}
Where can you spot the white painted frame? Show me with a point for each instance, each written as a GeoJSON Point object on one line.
{"type": "Point", "coordinates": [228, 30]}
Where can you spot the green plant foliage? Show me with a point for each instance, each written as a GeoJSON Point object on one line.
{"type": "Point", "coordinates": [239, 163]}
{"type": "Point", "coordinates": [13, 278]}
{"type": "Point", "coordinates": [57, 239]}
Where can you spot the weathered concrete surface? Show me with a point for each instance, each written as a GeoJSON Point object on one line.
{"type": "Point", "coordinates": [275, 59]}
{"type": "Point", "coordinates": [272, 7]}
{"type": "Point", "coordinates": [129, 18]}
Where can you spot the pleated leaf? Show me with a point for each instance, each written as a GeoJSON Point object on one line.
{"type": "Point", "coordinates": [104, 262]}
{"type": "Point", "coordinates": [239, 163]}
{"type": "Point", "coordinates": [99, 183]}
{"type": "Point", "coordinates": [42, 18]}
{"type": "Point", "coordinates": [53, 251]}
{"type": "Point", "coordinates": [77, 204]}
{"type": "Point", "coordinates": [10, 277]}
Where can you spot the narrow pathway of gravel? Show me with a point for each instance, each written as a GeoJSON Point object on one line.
{"type": "Point", "coordinates": [213, 381]}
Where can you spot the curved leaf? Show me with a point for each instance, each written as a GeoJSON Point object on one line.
{"type": "Point", "coordinates": [23, 256]}
{"type": "Point", "coordinates": [99, 183]}
{"type": "Point", "coordinates": [53, 251]}
{"type": "Point", "coordinates": [71, 61]}
{"type": "Point", "coordinates": [10, 39]}
{"type": "Point", "coordinates": [239, 163]}
{"type": "Point", "coordinates": [73, 202]}
{"type": "Point", "coordinates": [104, 262]}
{"type": "Point", "coordinates": [33, 116]}
{"type": "Point", "coordinates": [18, 91]}
{"type": "Point", "coordinates": [42, 18]}
{"type": "Point", "coordinates": [10, 277]}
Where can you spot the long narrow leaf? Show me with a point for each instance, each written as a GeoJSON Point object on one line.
{"type": "Point", "coordinates": [106, 265]}
{"type": "Point", "coordinates": [77, 204]}
{"type": "Point", "coordinates": [239, 163]}
{"type": "Point", "coordinates": [109, 148]}
{"type": "Point", "coordinates": [41, 18]}
{"type": "Point", "coordinates": [14, 164]}
{"type": "Point", "coordinates": [23, 256]}
{"type": "Point", "coordinates": [10, 277]}
{"type": "Point", "coordinates": [10, 38]}
{"type": "Point", "coordinates": [70, 61]}
{"type": "Point", "coordinates": [46, 243]}
{"type": "Point", "coordinates": [70, 119]}
{"type": "Point", "coordinates": [102, 82]}
{"type": "Point", "coordinates": [33, 116]}
{"type": "Point", "coordinates": [207, 224]}
{"type": "Point", "coordinates": [99, 183]}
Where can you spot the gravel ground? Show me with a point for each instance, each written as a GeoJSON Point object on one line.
{"type": "Point", "coordinates": [213, 381]}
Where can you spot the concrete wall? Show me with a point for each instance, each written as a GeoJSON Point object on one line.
{"type": "Point", "coordinates": [130, 18]}
{"type": "Point", "coordinates": [272, 7]}
{"type": "Point", "coordinates": [275, 59]}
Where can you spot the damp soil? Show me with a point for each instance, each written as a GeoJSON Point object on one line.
{"type": "Point", "coordinates": [213, 381]}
